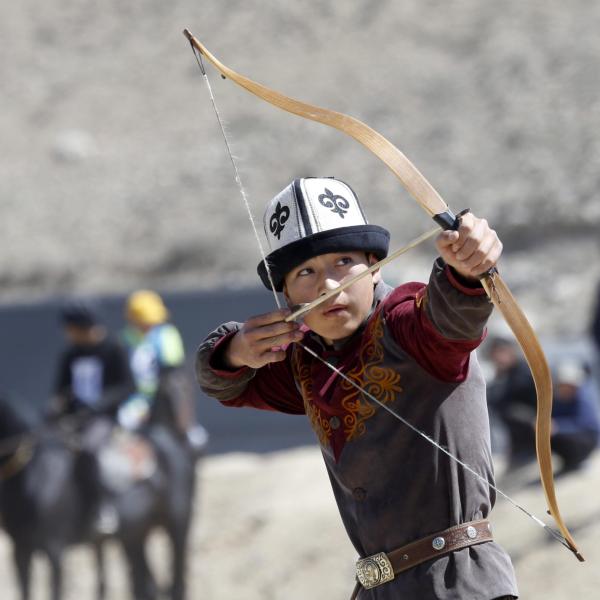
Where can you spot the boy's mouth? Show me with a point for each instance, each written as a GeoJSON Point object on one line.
{"type": "Point", "coordinates": [334, 309]}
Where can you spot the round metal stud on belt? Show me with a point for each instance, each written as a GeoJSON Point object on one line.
{"type": "Point", "coordinates": [438, 543]}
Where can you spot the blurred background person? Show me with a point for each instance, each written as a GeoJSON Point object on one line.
{"type": "Point", "coordinates": [512, 399]}
{"type": "Point", "coordinates": [93, 372]}
{"type": "Point", "coordinates": [164, 391]}
{"type": "Point", "coordinates": [595, 335]}
{"type": "Point", "coordinates": [93, 380]}
{"type": "Point", "coordinates": [575, 415]}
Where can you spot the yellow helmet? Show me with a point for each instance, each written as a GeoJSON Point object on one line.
{"type": "Point", "coordinates": [145, 307]}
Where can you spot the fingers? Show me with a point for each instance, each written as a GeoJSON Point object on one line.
{"type": "Point", "coordinates": [272, 356]}
{"type": "Point", "coordinates": [261, 339]}
{"type": "Point", "coordinates": [281, 340]}
{"type": "Point", "coordinates": [472, 250]}
{"type": "Point", "coordinates": [267, 318]}
{"type": "Point", "coordinates": [271, 330]}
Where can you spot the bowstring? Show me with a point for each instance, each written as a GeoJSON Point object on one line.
{"type": "Point", "coordinates": [554, 533]}
{"type": "Point", "coordinates": [236, 171]}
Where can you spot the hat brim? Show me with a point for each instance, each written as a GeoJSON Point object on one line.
{"type": "Point", "coordinates": [367, 238]}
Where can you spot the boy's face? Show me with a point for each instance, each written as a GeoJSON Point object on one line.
{"type": "Point", "coordinates": [340, 316]}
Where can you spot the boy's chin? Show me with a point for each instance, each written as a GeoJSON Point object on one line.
{"type": "Point", "coordinates": [337, 334]}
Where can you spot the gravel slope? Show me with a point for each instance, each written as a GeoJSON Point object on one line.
{"type": "Point", "coordinates": [114, 173]}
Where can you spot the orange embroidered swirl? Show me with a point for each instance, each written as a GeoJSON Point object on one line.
{"type": "Point", "coordinates": [381, 382]}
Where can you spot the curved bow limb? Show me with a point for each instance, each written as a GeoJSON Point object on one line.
{"type": "Point", "coordinates": [505, 302]}
{"type": "Point", "coordinates": [424, 193]}
{"type": "Point", "coordinates": [408, 174]}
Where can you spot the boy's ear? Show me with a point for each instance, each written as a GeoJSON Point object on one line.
{"type": "Point", "coordinates": [285, 295]}
{"type": "Point", "coordinates": [372, 259]}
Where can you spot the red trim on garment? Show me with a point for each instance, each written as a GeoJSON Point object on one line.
{"type": "Point", "coordinates": [443, 358]}
{"type": "Point", "coordinates": [461, 287]}
{"type": "Point", "coordinates": [271, 388]}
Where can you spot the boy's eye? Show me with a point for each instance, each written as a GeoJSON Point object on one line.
{"type": "Point", "coordinates": [304, 272]}
{"type": "Point", "coordinates": [344, 260]}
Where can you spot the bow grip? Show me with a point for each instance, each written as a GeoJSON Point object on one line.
{"type": "Point", "coordinates": [448, 221]}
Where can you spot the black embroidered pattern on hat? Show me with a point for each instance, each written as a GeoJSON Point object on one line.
{"type": "Point", "coordinates": [338, 204]}
{"type": "Point", "coordinates": [278, 219]}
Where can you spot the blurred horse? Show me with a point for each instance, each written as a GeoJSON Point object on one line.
{"type": "Point", "coordinates": [44, 507]}
{"type": "Point", "coordinates": [40, 502]}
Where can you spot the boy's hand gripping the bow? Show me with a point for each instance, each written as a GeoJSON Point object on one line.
{"type": "Point", "coordinates": [473, 249]}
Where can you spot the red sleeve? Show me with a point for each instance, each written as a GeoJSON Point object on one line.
{"type": "Point", "coordinates": [444, 358]}
{"type": "Point", "coordinates": [272, 387]}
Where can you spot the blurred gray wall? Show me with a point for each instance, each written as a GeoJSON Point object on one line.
{"type": "Point", "coordinates": [31, 340]}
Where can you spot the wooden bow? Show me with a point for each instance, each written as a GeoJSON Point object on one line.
{"type": "Point", "coordinates": [424, 193]}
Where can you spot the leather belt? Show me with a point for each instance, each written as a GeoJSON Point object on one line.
{"type": "Point", "coordinates": [380, 568]}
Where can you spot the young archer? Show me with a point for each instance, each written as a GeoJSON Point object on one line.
{"type": "Point", "coordinates": [417, 520]}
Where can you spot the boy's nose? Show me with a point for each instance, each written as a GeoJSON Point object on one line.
{"type": "Point", "coordinates": [328, 284]}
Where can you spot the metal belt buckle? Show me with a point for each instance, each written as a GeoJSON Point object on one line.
{"type": "Point", "coordinates": [374, 570]}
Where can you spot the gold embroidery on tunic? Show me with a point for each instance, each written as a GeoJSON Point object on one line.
{"type": "Point", "coordinates": [381, 382]}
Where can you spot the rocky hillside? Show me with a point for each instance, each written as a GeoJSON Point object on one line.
{"type": "Point", "coordinates": [114, 172]}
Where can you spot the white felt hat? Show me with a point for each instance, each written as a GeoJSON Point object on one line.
{"type": "Point", "coordinates": [313, 216]}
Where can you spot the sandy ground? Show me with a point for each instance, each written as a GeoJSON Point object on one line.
{"type": "Point", "coordinates": [266, 528]}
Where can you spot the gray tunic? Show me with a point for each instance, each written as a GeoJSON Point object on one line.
{"type": "Point", "coordinates": [415, 354]}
